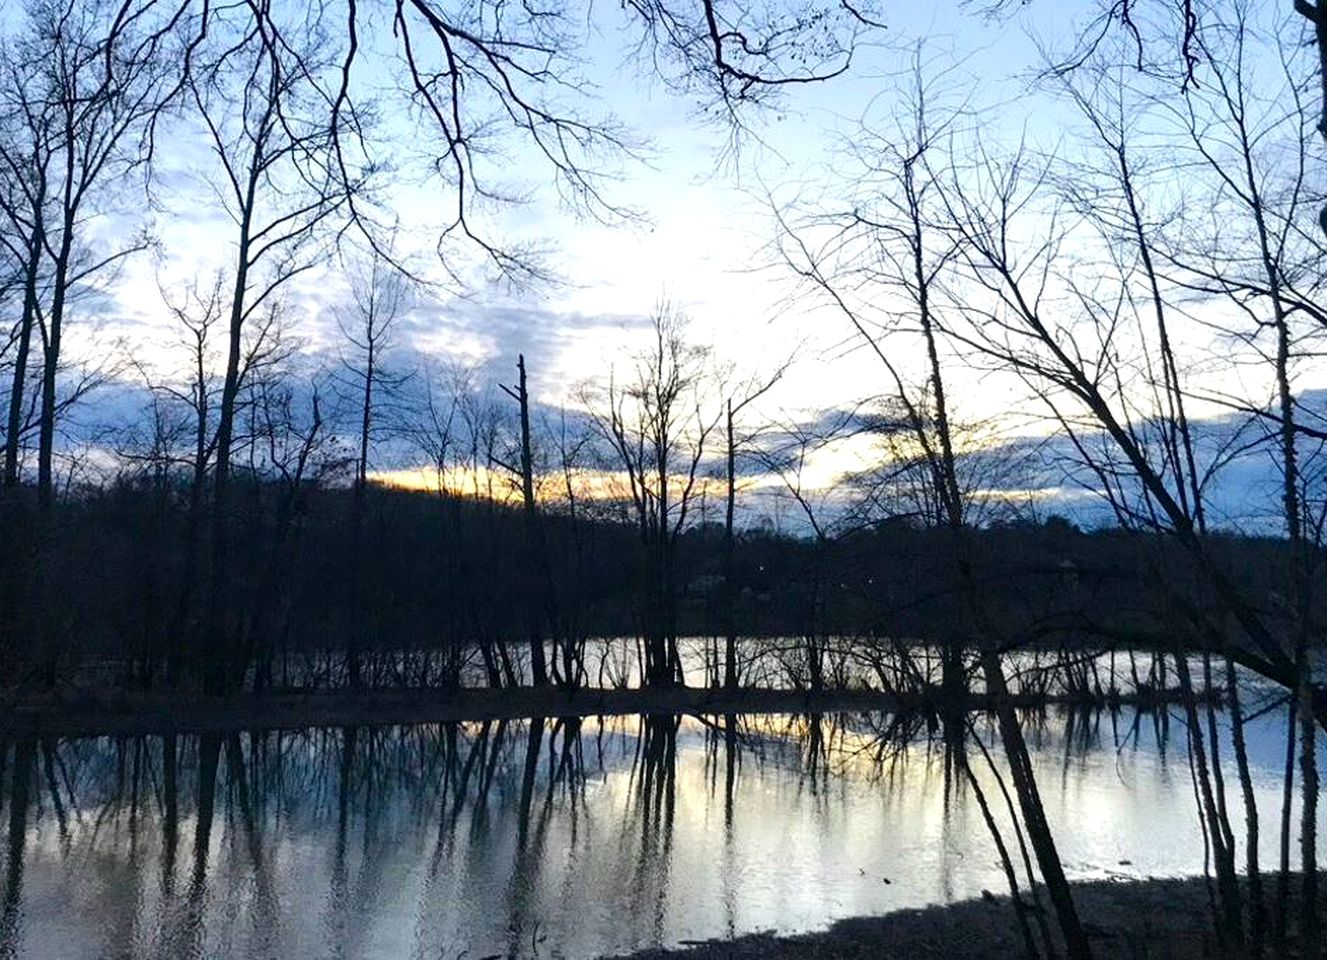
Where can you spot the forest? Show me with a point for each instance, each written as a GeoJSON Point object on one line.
{"type": "Point", "coordinates": [448, 578]}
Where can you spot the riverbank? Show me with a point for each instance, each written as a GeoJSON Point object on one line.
{"type": "Point", "coordinates": [75, 712]}
{"type": "Point", "coordinates": [1124, 919]}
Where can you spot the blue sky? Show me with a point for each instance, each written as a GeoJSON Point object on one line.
{"type": "Point", "coordinates": [703, 242]}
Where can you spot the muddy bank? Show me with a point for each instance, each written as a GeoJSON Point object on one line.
{"type": "Point", "coordinates": [133, 714]}
{"type": "Point", "coordinates": [1125, 920]}
{"type": "Point", "coordinates": [80, 712]}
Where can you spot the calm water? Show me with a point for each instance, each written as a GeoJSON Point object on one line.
{"type": "Point", "coordinates": [538, 839]}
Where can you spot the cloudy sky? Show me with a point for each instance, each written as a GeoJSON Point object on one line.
{"type": "Point", "coordinates": [703, 240]}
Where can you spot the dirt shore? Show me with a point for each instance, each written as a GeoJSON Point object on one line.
{"type": "Point", "coordinates": [79, 712]}
{"type": "Point", "coordinates": [1157, 919]}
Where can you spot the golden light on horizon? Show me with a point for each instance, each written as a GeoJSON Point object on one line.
{"type": "Point", "coordinates": [602, 486]}
{"type": "Point", "coordinates": [820, 469]}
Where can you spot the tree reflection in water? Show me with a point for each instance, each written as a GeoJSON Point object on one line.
{"type": "Point", "coordinates": [575, 835]}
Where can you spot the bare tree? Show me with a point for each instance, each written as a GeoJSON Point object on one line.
{"type": "Point", "coordinates": [379, 298]}
{"type": "Point", "coordinates": [197, 311]}
{"type": "Point", "coordinates": [25, 147]}
{"type": "Point", "coordinates": [1263, 261]}
{"type": "Point", "coordinates": [656, 428]}
{"type": "Point", "coordinates": [735, 443]}
{"type": "Point", "coordinates": [535, 564]}
{"type": "Point", "coordinates": [787, 453]}
{"type": "Point", "coordinates": [257, 93]}
{"type": "Point", "coordinates": [895, 247]}
{"type": "Point", "coordinates": [288, 447]}
{"type": "Point", "coordinates": [104, 73]}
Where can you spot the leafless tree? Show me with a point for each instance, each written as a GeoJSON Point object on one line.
{"type": "Point", "coordinates": [380, 297]}
{"type": "Point", "coordinates": [1258, 149]}
{"type": "Point", "coordinates": [539, 596]}
{"type": "Point", "coordinates": [1112, 197]}
{"type": "Point", "coordinates": [379, 294]}
{"type": "Point", "coordinates": [25, 146]}
{"type": "Point", "coordinates": [736, 441]}
{"type": "Point", "coordinates": [98, 75]}
{"type": "Point", "coordinates": [257, 90]}
{"type": "Point", "coordinates": [657, 429]}
{"type": "Point", "coordinates": [289, 446]}
{"type": "Point", "coordinates": [892, 266]}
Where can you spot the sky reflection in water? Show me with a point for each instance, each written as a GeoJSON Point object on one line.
{"type": "Point", "coordinates": [525, 839]}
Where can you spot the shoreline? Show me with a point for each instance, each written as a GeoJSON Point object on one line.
{"type": "Point", "coordinates": [81, 713]}
{"type": "Point", "coordinates": [1125, 919]}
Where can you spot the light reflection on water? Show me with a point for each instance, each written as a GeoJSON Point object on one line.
{"type": "Point", "coordinates": [525, 839]}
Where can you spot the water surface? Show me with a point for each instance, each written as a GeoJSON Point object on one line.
{"type": "Point", "coordinates": [560, 839]}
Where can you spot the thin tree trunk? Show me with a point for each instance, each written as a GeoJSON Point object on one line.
{"type": "Point", "coordinates": [1034, 815]}
{"type": "Point", "coordinates": [218, 653]}
{"type": "Point", "coordinates": [1007, 864]}
{"type": "Point", "coordinates": [1257, 908]}
{"type": "Point", "coordinates": [1222, 855]}
{"type": "Point", "coordinates": [27, 321]}
{"type": "Point", "coordinates": [537, 607]}
{"type": "Point", "coordinates": [1308, 824]}
{"type": "Point", "coordinates": [1287, 803]}
{"type": "Point", "coordinates": [359, 616]}
{"type": "Point", "coordinates": [729, 563]}
{"type": "Point", "coordinates": [54, 331]}
{"type": "Point", "coordinates": [50, 373]}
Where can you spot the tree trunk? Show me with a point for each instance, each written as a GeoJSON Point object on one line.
{"type": "Point", "coordinates": [537, 607]}
{"type": "Point", "coordinates": [50, 371]}
{"type": "Point", "coordinates": [1034, 815]}
{"type": "Point", "coordinates": [1257, 909]}
{"type": "Point", "coordinates": [1308, 829]}
{"type": "Point", "coordinates": [217, 655]}
{"type": "Point", "coordinates": [1282, 898]}
{"type": "Point", "coordinates": [1222, 853]}
{"type": "Point", "coordinates": [27, 321]}
{"type": "Point", "coordinates": [729, 564]}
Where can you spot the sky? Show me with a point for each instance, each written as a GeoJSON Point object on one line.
{"type": "Point", "coordinates": [703, 241]}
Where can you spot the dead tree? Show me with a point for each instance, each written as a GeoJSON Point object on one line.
{"type": "Point", "coordinates": [540, 600]}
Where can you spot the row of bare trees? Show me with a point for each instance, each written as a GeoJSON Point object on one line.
{"type": "Point", "coordinates": [271, 114]}
{"type": "Point", "coordinates": [1166, 260]}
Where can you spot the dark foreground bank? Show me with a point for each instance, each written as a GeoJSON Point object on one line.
{"type": "Point", "coordinates": [1125, 919]}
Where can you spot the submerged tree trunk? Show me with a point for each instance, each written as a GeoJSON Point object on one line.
{"type": "Point", "coordinates": [1287, 802]}
{"type": "Point", "coordinates": [1006, 862]}
{"type": "Point", "coordinates": [1222, 853]}
{"type": "Point", "coordinates": [1257, 908]}
{"type": "Point", "coordinates": [209, 754]}
{"type": "Point", "coordinates": [729, 564]}
{"type": "Point", "coordinates": [1034, 814]}
{"type": "Point", "coordinates": [1308, 850]}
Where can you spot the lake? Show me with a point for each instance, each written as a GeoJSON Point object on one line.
{"type": "Point", "coordinates": [564, 839]}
